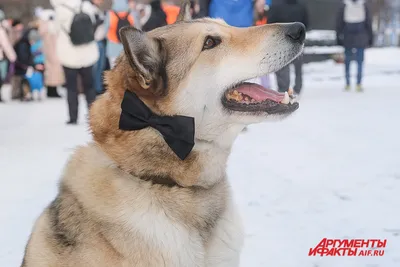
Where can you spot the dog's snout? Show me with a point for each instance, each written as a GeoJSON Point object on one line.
{"type": "Point", "coordinates": [296, 32]}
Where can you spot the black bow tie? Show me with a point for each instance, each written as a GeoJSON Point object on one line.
{"type": "Point", "coordinates": [178, 131]}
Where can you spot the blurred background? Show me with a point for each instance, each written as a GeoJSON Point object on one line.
{"type": "Point", "coordinates": [385, 14]}
{"type": "Point", "coordinates": [330, 170]}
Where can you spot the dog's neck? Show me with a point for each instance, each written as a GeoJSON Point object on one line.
{"type": "Point", "coordinates": [149, 157]}
{"type": "Point", "coordinates": [222, 139]}
{"type": "Point", "coordinates": [145, 153]}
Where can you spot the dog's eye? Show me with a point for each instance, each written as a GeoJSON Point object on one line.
{"type": "Point", "coordinates": [211, 42]}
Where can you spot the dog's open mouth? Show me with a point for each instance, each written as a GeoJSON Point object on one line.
{"type": "Point", "coordinates": [252, 97]}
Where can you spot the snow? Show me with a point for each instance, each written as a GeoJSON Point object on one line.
{"type": "Point", "coordinates": [330, 170]}
{"type": "Point", "coordinates": [321, 35]}
{"type": "Point", "coordinates": [323, 50]}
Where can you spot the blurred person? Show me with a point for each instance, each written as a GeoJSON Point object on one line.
{"type": "Point", "coordinates": [134, 11]}
{"type": "Point", "coordinates": [261, 15]}
{"type": "Point", "coordinates": [354, 33]}
{"type": "Point", "coordinates": [285, 12]}
{"type": "Point", "coordinates": [53, 71]}
{"type": "Point", "coordinates": [100, 37]}
{"type": "Point", "coordinates": [6, 51]}
{"type": "Point", "coordinates": [5, 24]}
{"type": "Point", "coordinates": [152, 15]}
{"type": "Point", "coordinates": [132, 4]}
{"type": "Point", "coordinates": [36, 44]}
{"type": "Point", "coordinates": [33, 79]}
{"type": "Point", "coordinates": [22, 48]}
{"type": "Point", "coordinates": [16, 31]}
{"type": "Point", "coordinates": [77, 50]}
{"type": "Point", "coordinates": [7, 66]}
{"type": "Point", "coordinates": [194, 9]}
{"type": "Point", "coordinates": [119, 16]}
{"type": "Point", "coordinates": [261, 19]}
{"type": "Point", "coordinates": [238, 13]}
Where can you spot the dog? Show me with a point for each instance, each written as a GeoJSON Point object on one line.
{"type": "Point", "coordinates": [127, 199]}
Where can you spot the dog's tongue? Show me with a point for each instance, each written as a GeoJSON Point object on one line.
{"type": "Point", "coordinates": [260, 93]}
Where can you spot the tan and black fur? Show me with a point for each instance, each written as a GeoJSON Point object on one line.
{"type": "Point", "coordinates": [126, 199]}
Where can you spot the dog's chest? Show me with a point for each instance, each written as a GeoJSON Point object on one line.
{"type": "Point", "coordinates": [168, 241]}
{"type": "Point", "coordinates": [178, 235]}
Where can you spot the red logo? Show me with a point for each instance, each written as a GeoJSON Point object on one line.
{"type": "Point", "coordinates": [349, 247]}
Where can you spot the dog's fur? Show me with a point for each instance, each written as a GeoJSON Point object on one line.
{"type": "Point", "coordinates": [116, 204]}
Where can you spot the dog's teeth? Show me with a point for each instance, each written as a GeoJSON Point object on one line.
{"type": "Point", "coordinates": [253, 100]}
{"type": "Point", "coordinates": [286, 99]}
{"type": "Point", "coordinates": [293, 100]}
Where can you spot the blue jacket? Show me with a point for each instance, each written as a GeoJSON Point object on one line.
{"type": "Point", "coordinates": [37, 52]}
{"type": "Point", "coordinates": [238, 13]}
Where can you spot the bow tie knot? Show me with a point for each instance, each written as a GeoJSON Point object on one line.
{"type": "Point", "coordinates": [178, 131]}
{"type": "Point", "coordinates": [152, 121]}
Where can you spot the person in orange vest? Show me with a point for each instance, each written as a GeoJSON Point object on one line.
{"type": "Point", "coordinates": [261, 15]}
{"type": "Point", "coordinates": [261, 19]}
{"type": "Point", "coordinates": [171, 10]}
{"type": "Point", "coordinates": [119, 16]}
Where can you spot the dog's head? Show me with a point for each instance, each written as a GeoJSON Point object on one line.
{"type": "Point", "coordinates": [199, 68]}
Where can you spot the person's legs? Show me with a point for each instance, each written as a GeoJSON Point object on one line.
{"type": "Point", "coordinates": [3, 70]}
{"type": "Point", "coordinates": [283, 79]}
{"type": "Point", "coordinates": [348, 55]}
{"type": "Point", "coordinates": [99, 68]}
{"type": "Point", "coordinates": [298, 69]}
{"type": "Point", "coordinates": [16, 83]}
{"type": "Point", "coordinates": [52, 91]}
{"type": "Point", "coordinates": [87, 81]}
{"type": "Point", "coordinates": [25, 89]}
{"type": "Point", "coordinates": [1, 85]}
{"type": "Point", "coordinates": [71, 80]}
{"type": "Point", "coordinates": [265, 81]}
{"type": "Point", "coordinates": [360, 64]}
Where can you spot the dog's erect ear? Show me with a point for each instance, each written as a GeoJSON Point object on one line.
{"type": "Point", "coordinates": [184, 13]}
{"type": "Point", "coordinates": [145, 57]}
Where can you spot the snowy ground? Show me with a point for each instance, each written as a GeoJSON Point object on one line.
{"type": "Point", "coordinates": [331, 170]}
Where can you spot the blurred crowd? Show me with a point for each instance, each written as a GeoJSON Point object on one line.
{"type": "Point", "coordinates": [72, 44]}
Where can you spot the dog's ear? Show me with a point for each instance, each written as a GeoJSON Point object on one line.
{"type": "Point", "coordinates": [184, 13]}
{"type": "Point", "coordinates": [146, 57]}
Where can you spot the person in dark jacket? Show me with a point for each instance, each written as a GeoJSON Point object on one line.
{"type": "Point", "coordinates": [354, 33]}
{"type": "Point", "coordinates": [24, 60]}
{"type": "Point", "coordinates": [285, 12]}
{"type": "Point", "coordinates": [152, 16]}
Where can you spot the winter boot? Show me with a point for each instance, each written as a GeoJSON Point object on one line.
{"type": "Point", "coordinates": [52, 92]}
{"type": "Point", "coordinates": [35, 95]}
{"type": "Point", "coordinates": [71, 122]}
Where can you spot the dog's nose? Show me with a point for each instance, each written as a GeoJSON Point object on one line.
{"type": "Point", "coordinates": [296, 32]}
